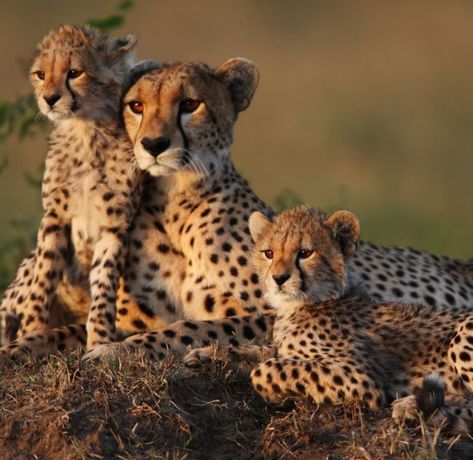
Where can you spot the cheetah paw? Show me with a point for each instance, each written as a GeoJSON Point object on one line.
{"type": "Point", "coordinates": [197, 358]}
{"type": "Point", "coordinates": [404, 409]}
{"type": "Point", "coordinates": [104, 352]}
{"type": "Point", "coordinates": [250, 355]}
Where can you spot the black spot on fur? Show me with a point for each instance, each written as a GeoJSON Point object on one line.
{"type": "Point", "coordinates": [209, 303]}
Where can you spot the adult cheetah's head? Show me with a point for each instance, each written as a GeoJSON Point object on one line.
{"type": "Point", "coordinates": [301, 255]}
{"type": "Point", "coordinates": [181, 116]}
{"type": "Point", "coordinates": [79, 72]}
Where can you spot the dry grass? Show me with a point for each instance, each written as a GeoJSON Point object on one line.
{"type": "Point", "coordinates": [130, 408]}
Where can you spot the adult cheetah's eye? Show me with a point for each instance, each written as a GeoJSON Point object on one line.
{"type": "Point", "coordinates": [304, 253]}
{"type": "Point", "coordinates": [189, 105]}
{"type": "Point", "coordinates": [74, 73]}
{"type": "Point", "coordinates": [136, 107]}
{"type": "Point", "coordinates": [268, 254]}
{"type": "Point", "coordinates": [40, 74]}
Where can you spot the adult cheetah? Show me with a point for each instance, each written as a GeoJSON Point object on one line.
{"type": "Point", "coordinates": [90, 190]}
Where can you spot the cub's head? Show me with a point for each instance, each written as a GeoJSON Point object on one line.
{"type": "Point", "coordinates": [301, 255]}
{"type": "Point", "coordinates": [78, 72]}
{"type": "Point", "coordinates": [181, 116]}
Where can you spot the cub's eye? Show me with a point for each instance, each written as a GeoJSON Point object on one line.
{"type": "Point", "coordinates": [268, 254]}
{"type": "Point", "coordinates": [136, 107]}
{"type": "Point", "coordinates": [189, 105]}
{"type": "Point", "coordinates": [40, 74]}
{"type": "Point", "coordinates": [74, 73]}
{"type": "Point", "coordinates": [304, 253]}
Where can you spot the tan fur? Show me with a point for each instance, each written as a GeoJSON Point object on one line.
{"type": "Point", "coordinates": [331, 342]}
{"type": "Point", "coordinates": [90, 187]}
{"type": "Point", "coordinates": [191, 234]}
{"type": "Point", "coordinates": [190, 244]}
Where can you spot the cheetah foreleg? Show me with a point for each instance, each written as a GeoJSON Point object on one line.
{"type": "Point", "coordinates": [278, 379]}
{"type": "Point", "coordinates": [104, 274]}
{"type": "Point", "coordinates": [183, 335]}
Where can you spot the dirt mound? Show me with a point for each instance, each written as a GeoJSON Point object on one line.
{"type": "Point", "coordinates": [130, 408]}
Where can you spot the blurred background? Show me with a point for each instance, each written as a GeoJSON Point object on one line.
{"type": "Point", "coordinates": [364, 105]}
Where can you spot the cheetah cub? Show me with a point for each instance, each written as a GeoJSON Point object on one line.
{"type": "Point", "coordinates": [330, 341]}
{"type": "Point", "coordinates": [90, 188]}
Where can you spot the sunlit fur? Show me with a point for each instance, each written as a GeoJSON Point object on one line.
{"type": "Point", "coordinates": [90, 189]}
{"type": "Point", "coordinates": [321, 276]}
{"type": "Point", "coordinates": [331, 342]}
{"type": "Point", "coordinates": [104, 63]}
{"type": "Point", "coordinates": [198, 139]}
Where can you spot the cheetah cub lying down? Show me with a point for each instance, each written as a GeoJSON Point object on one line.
{"type": "Point", "coordinates": [330, 341]}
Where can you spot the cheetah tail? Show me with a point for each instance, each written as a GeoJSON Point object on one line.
{"type": "Point", "coordinates": [431, 396]}
{"type": "Point", "coordinates": [456, 417]}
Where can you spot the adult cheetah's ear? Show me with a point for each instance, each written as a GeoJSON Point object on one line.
{"type": "Point", "coordinates": [345, 229]}
{"type": "Point", "coordinates": [241, 77]}
{"type": "Point", "coordinates": [257, 223]}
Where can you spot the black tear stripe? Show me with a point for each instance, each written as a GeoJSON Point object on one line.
{"type": "Point", "coordinates": [301, 273]}
{"type": "Point", "coordinates": [74, 105]}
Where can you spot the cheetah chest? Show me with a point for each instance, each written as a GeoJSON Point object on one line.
{"type": "Point", "coordinates": [88, 214]}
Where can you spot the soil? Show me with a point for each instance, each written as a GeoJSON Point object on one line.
{"type": "Point", "coordinates": [130, 408]}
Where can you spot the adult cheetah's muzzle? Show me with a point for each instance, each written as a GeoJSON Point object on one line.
{"type": "Point", "coordinates": [156, 146]}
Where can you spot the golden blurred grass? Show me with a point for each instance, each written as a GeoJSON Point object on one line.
{"type": "Point", "coordinates": [364, 105]}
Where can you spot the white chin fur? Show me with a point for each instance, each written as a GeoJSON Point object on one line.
{"type": "Point", "coordinates": [144, 159]}
{"type": "Point", "coordinates": [281, 300]}
{"type": "Point", "coordinates": [61, 112]}
{"type": "Point", "coordinates": [159, 170]}
{"type": "Point", "coordinates": [165, 164]}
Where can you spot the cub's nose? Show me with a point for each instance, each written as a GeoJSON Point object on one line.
{"type": "Point", "coordinates": [51, 100]}
{"type": "Point", "coordinates": [281, 279]}
{"type": "Point", "coordinates": [157, 145]}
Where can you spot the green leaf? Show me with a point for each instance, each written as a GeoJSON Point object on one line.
{"type": "Point", "coordinates": [106, 24]}
{"type": "Point", "coordinates": [125, 5]}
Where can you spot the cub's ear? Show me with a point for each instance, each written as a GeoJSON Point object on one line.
{"type": "Point", "coordinates": [257, 223]}
{"type": "Point", "coordinates": [345, 229]}
{"type": "Point", "coordinates": [241, 77]}
{"type": "Point", "coordinates": [126, 44]}
{"type": "Point", "coordinates": [120, 47]}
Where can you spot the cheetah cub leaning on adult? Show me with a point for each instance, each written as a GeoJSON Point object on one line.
{"type": "Point", "coordinates": [90, 188]}
{"type": "Point", "coordinates": [330, 341]}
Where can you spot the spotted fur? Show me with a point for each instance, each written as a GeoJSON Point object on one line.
{"type": "Point", "coordinates": [332, 343]}
{"type": "Point", "coordinates": [90, 188]}
{"type": "Point", "coordinates": [190, 245]}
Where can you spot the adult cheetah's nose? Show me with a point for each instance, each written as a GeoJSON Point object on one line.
{"type": "Point", "coordinates": [51, 100]}
{"type": "Point", "coordinates": [281, 279]}
{"type": "Point", "coordinates": [157, 145]}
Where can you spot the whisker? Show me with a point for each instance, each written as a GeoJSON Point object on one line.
{"type": "Point", "coordinates": [204, 168]}
{"type": "Point", "coordinates": [38, 116]}
{"type": "Point", "coordinates": [192, 163]}
{"type": "Point", "coordinates": [198, 161]}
